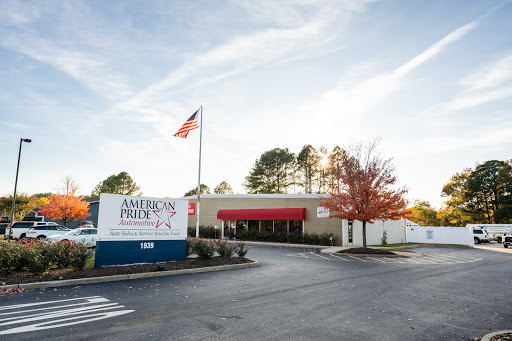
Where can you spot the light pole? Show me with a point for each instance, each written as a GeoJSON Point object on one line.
{"type": "Point", "coordinates": [15, 185]}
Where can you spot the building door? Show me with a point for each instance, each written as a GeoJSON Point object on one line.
{"type": "Point", "coordinates": [229, 228]}
{"type": "Point", "coordinates": [350, 240]}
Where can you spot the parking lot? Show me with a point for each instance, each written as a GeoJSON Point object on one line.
{"type": "Point", "coordinates": [497, 247]}
{"type": "Point", "coordinates": [296, 294]}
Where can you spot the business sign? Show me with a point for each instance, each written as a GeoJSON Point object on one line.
{"type": "Point", "coordinates": [191, 208]}
{"type": "Point", "coordinates": [133, 229]}
{"type": "Point", "coordinates": [322, 212]}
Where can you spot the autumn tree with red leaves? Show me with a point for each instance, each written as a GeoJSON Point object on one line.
{"type": "Point", "coordinates": [67, 205]}
{"type": "Point", "coordinates": [367, 188]}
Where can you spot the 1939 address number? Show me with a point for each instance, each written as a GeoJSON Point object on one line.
{"type": "Point", "coordinates": [148, 245]}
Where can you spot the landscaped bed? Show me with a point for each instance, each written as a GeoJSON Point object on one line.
{"type": "Point", "coordinates": [19, 277]}
{"type": "Point", "coordinates": [29, 262]}
{"type": "Point", "coordinates": [367, 251]}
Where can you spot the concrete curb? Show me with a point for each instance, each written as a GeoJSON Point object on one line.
{"type": "Point", "coordinates": [488, 337]}
{"type": "Point", "coordinates": [78, 281]}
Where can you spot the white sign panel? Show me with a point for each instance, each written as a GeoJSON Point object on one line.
{"type": "Point", "coordinates": [124, 217]}
{"type": "Point", "coordinates": [322, 212]}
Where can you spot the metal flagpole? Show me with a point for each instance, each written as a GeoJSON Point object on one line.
{"type": "Point", "coordinates": [199, 177]}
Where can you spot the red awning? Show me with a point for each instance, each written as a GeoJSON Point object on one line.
{"type": "Point", "coordinates": [264, 214]}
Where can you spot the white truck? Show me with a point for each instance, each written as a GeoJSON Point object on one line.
{"type": "Point", "coordinates": [495, 232]}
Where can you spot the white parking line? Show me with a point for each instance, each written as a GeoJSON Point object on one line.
{"type": "Point", "coordinates": [55, 314]}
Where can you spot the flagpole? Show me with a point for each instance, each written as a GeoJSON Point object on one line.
{"type": "Point", "coordinates": [199, 177]}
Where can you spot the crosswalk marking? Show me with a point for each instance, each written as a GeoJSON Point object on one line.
{"type": "Point", "coordinates": [53, 314]}
{"type": "Point", "coordinates": [425, 260]}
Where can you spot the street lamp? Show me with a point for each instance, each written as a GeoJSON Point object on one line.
{"type": "Point", "coordinates": [15, 185]}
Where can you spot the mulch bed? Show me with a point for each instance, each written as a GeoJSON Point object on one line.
{"type": "Point", "coordinates": [367, 251]}
{"type": "Point", "coordinates": [502, 337]}
{"type": "Point", "coordinates": [20, 277]}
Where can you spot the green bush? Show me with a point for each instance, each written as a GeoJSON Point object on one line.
{"type": "Point", "coordinates": [204, 232]}
{"type": "Point", "coordinates": [204, 249]}
{"type": "Point", "coordinates": [79, 256]}
{"type": "Point", "coordinates": [241, 250]}
{"type": "Point", "coordinates": [296, 237]}
{"type": "Point", "coordinates": [37, 257]}
{"type": "Point", "coordinates": [224, 249]}
{"type": "Point", "coordinates": [189, 246]}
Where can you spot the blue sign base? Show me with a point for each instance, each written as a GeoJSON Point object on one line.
{"type": "Point", "coordinates": [139, 251]}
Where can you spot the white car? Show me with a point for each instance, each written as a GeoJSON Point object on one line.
{"type": "Point", "coordinates": [19, 228]}
{"type": "Point", "coordinates": [41, 232]}
{"type": "Point", "coordinates": [84, 235]}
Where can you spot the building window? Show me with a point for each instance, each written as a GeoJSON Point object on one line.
{"type": "Point", "coordinates": [267, 225]}
{"type": "Point", "coordinates": [280, 226]}
{"type": "Point", "coordinates": [254, 225]}
{"type": "Point", "coordinates": [295, 226]}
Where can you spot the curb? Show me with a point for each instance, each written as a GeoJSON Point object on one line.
{"type": "Point", "coordinates": [77, 281]}
{"type": "Point", "coordinates": [488, 337]}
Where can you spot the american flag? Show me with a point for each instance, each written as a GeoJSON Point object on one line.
{"type": "Point", "coordinates": [191, 124]}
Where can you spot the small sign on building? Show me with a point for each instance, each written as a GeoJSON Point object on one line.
{"type": "Point", "coordinates": [322, 212]}
{"type": "Point", "coordinates": [191, 208]}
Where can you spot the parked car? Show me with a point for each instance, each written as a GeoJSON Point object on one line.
{"type": "Point", "coordinates": [19, 228]}
{"type": "Point", "coordinates": [3, 226]}
{"type": "Point", "coordinates": [507, 240]}
{"type": "Point", "coordinates": [85, 235]}
{"type": "Point", "coordinates": [43, 231]}
{"type": "Point", "coordinates": [86, 223]}
{"type": "Point", "coordinates": [481, 236]}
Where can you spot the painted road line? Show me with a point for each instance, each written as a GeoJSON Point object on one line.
{"type": "Point", "coordinates": [358, 258]}
{"type": "Point", "coordinates": [54, 314]}
{"type": "Point", "coordinates": [318, 255]}
{"type": "Point", "coordinates": [377, 259]}
{"type": "Point", "coordinates": [343, 258]}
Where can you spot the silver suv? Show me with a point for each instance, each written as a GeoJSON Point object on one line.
{"type": "Point", "coordinates": [19, 228]}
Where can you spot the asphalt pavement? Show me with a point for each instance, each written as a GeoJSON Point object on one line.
{"type": "Point", "coordinates": [296, 294]}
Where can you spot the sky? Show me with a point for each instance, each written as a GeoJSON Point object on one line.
{"type": "Point", "coordinates": [101, 87]}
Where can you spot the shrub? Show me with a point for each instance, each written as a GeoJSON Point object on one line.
{"type": "Point", "coordinates": [79, 256]}
{"type": "Point", "coordinates": [40, 257]}
{"type": "Point", "coordinates": [204, 232]}
{"type": "Point", "coordinates": [204, 249]}
{"type": "Point", "coordinates": [62, 254]}
{"type": "Point", "coordinates": [37, 257]}
{"type": "Point", "coordinates": [224, 249]}
{"type": "Point", "coordinates": [190, 241]}
{"type": "Point", "coordinates": [241, 250]}
{"type": "Point", "coordinates": [325, 239]}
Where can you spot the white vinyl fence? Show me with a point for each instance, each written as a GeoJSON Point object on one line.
{"type": "Point", "coordinates": [439, 235]}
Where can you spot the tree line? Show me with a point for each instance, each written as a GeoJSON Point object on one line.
{"type": "Point", "coordinates": [66, 205]}
{"type": "Point", "coordinates": [479, 195]}
{"type": "Point", "coordinates": [310, 171]}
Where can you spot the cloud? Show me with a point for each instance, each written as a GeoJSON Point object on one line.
{"type": "Point", "coordinates": [76, 51]}
{"type": "Point", "coordinates": [299, 28]}
{"type": "Point", "coordinates": [354, 99]}
{"type": "Point", "coordinates": [435, 49]}
{"type": "Point", "coordinates": [491, 75]}
{"type": "Point", "coordinates": [491, 83]}
{"type": "Point", "coordinates": [15, 13]}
